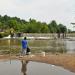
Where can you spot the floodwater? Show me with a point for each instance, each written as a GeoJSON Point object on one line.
{"type": "Point", "coordinates": [17, 67]}
{"type": "Point", "coordinates": [70, 46]}
{"type": "Point", "coordinates": [36, 46]}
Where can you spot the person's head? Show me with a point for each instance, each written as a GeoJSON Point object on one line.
{"type": "Point", "coordinates": [24, 38]}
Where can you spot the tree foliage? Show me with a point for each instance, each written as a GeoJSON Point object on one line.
{"type": "Point", "coordinates": [31, 26]}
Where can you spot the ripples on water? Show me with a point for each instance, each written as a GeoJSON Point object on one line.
{"type": "Point", "coordinates": [36, 46]}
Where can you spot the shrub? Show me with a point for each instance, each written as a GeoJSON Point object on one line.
{"type": "Point", "coordinates": [3, 34]}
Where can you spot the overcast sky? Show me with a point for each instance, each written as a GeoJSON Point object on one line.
{"type": "Point", "coordinates": [63, 11]}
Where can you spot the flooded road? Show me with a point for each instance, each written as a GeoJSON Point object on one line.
{"type": "Point", "coordinates": [59, 45]}
{"type": "Point", "coordinates": [30, 68]}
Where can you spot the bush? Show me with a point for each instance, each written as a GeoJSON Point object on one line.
{"type": "Point", "coordinates": [3, 34]}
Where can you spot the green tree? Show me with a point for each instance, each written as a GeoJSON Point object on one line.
{"type": "Point", "coordinates": [44, 28]}
{"type": "Point", "coordinates": [53, 26]}
{"type": "Point", "coordinates": [31, 26]}
{"type": "Point", "coordinates": [62, 28]}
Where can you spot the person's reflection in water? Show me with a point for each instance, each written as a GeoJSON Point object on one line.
{"type": "Point", "coordinates": [24, 68]}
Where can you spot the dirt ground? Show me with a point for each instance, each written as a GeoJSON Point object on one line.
{"type": "Point", "coordinates": [66, 61]}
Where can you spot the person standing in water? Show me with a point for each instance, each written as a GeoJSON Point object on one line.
{"type": "Point", "coordinates": [24, 46]}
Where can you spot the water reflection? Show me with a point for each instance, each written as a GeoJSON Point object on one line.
{"type": "Point", "coordinates": [30, 68]}
{"type": "Point", "coordinates": [24, 67]}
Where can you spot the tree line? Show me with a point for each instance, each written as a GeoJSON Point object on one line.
{"type": "Point", "coordinates": [16, 24]}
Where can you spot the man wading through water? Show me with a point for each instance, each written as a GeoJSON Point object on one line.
{"type": "Point", "coordinates": [24, 46]}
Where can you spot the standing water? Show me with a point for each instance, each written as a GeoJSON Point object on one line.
{"type": "Point", "coordinates": [70, 46]}
{"type": "Point", "coordinates": [30, 68]}
{"type": "Point", "coordinates": [59, 45]}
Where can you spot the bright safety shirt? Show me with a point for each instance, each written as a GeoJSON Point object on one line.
{"type": "Point", "coordinates": [24, 44]}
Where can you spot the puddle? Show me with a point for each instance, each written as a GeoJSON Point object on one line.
{"type": "Point", "coordinates": [23, 67]}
